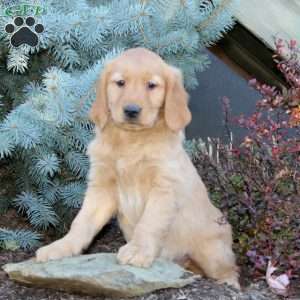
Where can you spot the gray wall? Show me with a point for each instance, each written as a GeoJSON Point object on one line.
{"type": "Point", "coordinates": [205, 101]}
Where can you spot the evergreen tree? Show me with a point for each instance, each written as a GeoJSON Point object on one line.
{"type": "Point", "coordinates": [46, 91]}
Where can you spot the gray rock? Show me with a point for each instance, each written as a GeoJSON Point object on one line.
{"type": "Point", "coordinates": [99, 274]}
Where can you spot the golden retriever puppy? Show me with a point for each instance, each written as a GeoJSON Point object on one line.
{"type": "Point", "coordinates": [141, 173]}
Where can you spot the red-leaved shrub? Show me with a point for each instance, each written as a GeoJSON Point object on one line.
{"type": "Point", "coordinates": [257, 183]}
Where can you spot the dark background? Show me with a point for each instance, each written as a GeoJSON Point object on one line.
{"type": "Point", "coordinates": [206, 100]}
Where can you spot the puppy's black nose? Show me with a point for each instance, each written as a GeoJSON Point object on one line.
{"type": "Point", "coordinates": [132, 111]}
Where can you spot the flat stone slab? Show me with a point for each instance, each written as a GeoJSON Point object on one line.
{"type": "Point", "coordinates": [99, 274]}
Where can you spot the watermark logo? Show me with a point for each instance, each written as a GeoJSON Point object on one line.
{"type": "Point", "coordinates": [23, 10]}
{"type": "Point", "coordinates": [24, 29]}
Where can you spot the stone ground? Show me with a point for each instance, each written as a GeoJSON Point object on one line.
{"type": "Point", "coordinates": [109, 240]}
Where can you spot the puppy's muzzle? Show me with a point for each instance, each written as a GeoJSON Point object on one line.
{"type": "Point", "coordinates": [132, 111]}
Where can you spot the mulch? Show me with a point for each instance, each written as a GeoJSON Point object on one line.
{"type": "Point", "coordinates": [109, 240]}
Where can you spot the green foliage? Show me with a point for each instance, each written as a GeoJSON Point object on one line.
{"type": "Point", "coordinates": [46, 91]}
{"type": "Point", "coordinates": [15, 239]}
{"type": "Point", "coordinates": [38, 210]}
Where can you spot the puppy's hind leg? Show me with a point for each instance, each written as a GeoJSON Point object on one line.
{"type": "Point", "coordinates": [216, 258]}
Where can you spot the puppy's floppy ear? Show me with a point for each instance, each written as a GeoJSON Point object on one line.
{"type": "Point", "coordinates": [177, 113]}
{"type": "Point", "coordinates": [99, 109]}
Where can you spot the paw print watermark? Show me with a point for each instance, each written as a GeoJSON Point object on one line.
{"type": "Point", "coordinates": [24, 31]}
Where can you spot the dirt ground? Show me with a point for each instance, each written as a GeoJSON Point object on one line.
{"type": "Point", "coordinates": [109, 240]}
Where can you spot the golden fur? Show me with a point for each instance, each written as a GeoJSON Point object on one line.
{"type": "Point", "coordinates": [141, 173]}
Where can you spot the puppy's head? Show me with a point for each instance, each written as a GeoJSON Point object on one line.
{"type": "Point", "coordinates": [138, 88]}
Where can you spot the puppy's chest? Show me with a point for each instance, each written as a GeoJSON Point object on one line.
{"type": "Point", "coordinates": [132, 189]}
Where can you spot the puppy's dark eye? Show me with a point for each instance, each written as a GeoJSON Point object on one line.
{"type": "Point", "coordinates": [120, 83]}
{"type": "Point", "coordinates": [151, 85]}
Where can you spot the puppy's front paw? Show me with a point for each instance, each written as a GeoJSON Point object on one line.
{"type": "Point", "coordinates": [56, 250]}
{"type": "Point", "coordinates": [135, 255]}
